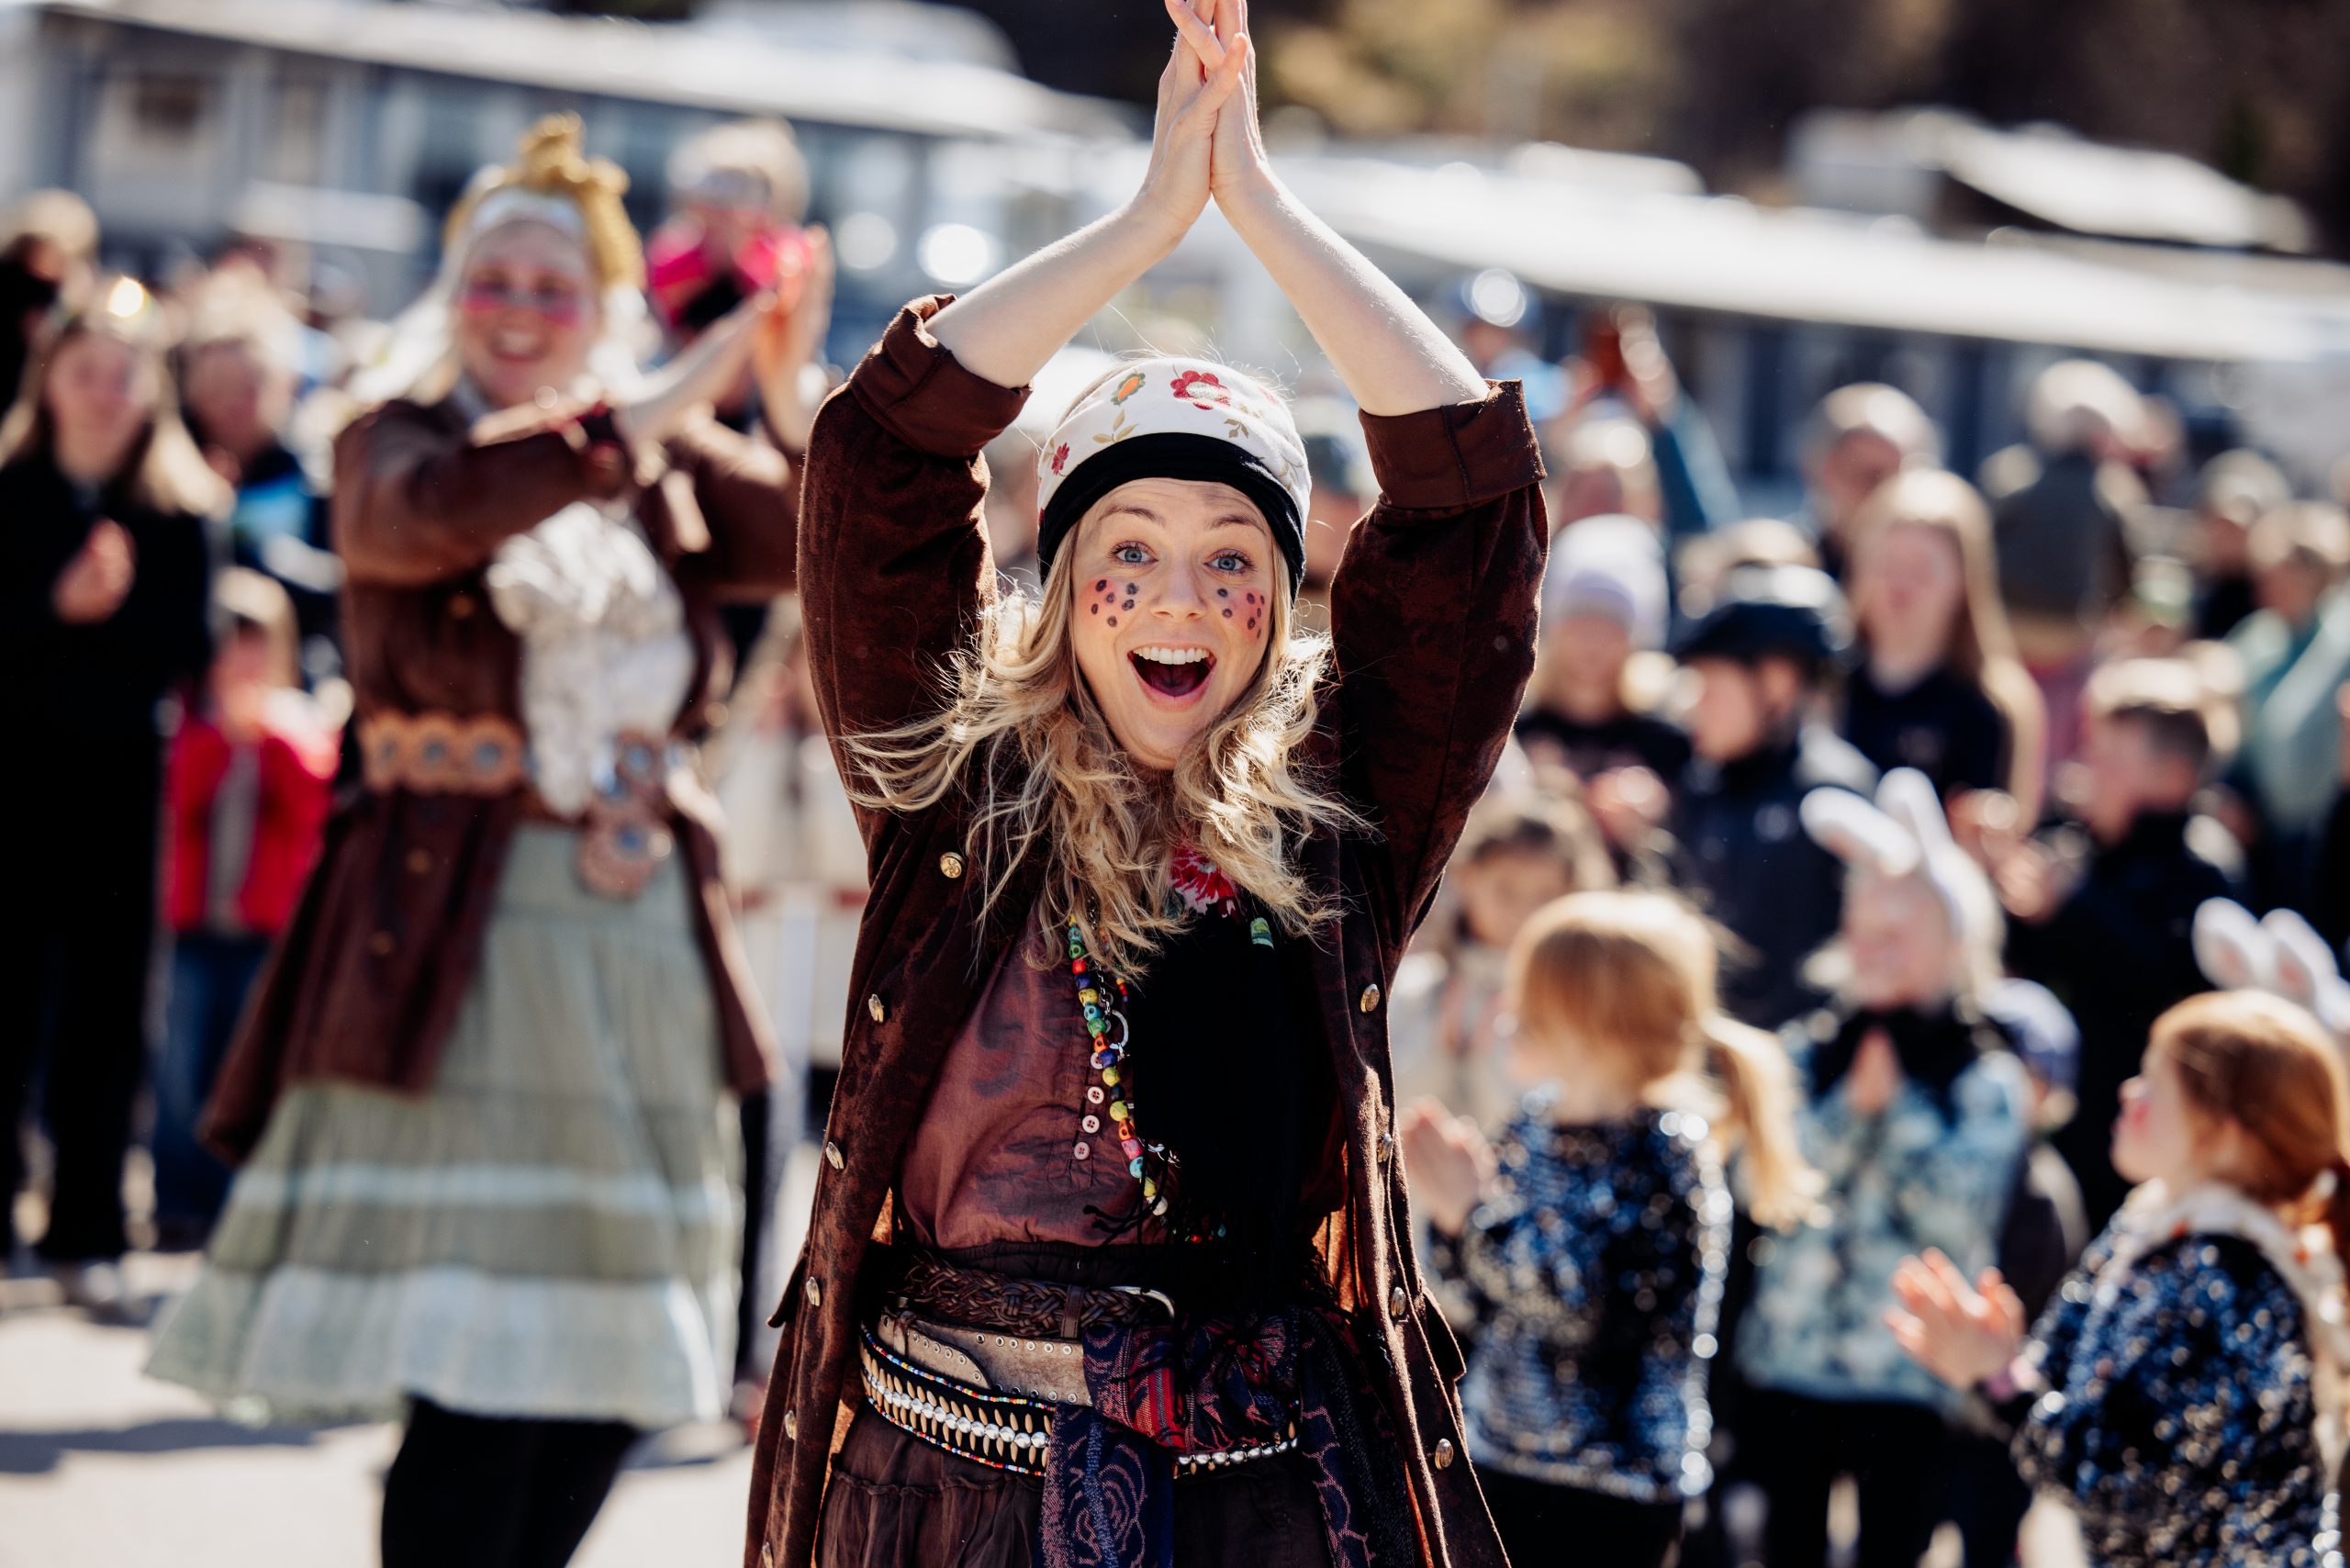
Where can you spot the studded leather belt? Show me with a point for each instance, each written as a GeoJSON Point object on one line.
{"type": "Point", "coordinates": [989, 1398]}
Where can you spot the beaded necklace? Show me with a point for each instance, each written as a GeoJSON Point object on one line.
{"type": "Point", "coordinates": [1145, 1163]}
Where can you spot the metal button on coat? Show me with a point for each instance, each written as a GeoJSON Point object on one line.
{"type": "Point", "coordinates": [815, 1293]}
{"type": "Point", "coordinates": [767, 1549]}
{"type": "Point", "coordinates": [1442, 1453]}
{"type": "Point", "coordinates": [1396, 1302]}
{"type": "Point", "coordinates": [833, 1154]}
{"type": "Point", "coordinates": [873, 1004]}
{"type": "Point", "coordinates": [791, 1429]}
{"type": "Point", "coordinates": [950, 866]}
{"type": "Point", "coordinates": [1386, 1147]}
{"type": "Point", "coordinates": [1370, 995]}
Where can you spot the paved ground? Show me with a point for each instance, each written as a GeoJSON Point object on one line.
{"type": "Point", "coordinates": [102, 1467]}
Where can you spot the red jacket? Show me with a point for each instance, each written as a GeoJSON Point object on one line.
{"type": "Point", "coordinates": [293, 793]}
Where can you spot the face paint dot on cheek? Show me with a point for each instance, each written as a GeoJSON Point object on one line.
{"type": "Point", "coordinates": [1099, 586]}
{"type": "Point", "coordinates": [1094, 609]}
{"type": "Point", "coordinates": [1130, 588]}
{"type": "Point", "coordinates": [1227, 615]}
{"type": "Point", "coordinates": [1114, 621]}
{"type": "Point", "coordinates": [1224, 593]}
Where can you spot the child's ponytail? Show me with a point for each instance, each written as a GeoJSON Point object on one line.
{"type": "Point", "coordinates": [1757, 1086]}
{"type": "Point", "coordinates": [2337, 1206]}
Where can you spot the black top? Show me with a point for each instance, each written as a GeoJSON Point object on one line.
{"type": "Point", "coordinates": [1944, 727]}
{"type": "Point", "coordinates": [1628, 740]}
{"type": "Point", "coordinates": [1742, 853]}
{"type": "Point", "coordinates": [2117, 952]}
{"type": "Point", "coordinates": [103, 681]}
{"type": "Point", "coordinates": [2223, 606]}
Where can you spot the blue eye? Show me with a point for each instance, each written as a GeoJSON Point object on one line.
{"type": "Point", "coordinates": [1232, 561]}
{"type": "Point", "coordinates": [1131, 555]}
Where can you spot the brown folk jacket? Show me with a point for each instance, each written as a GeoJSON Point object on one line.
{"type": "Point", "coordinates": [365, 982]}
{"type": "Point", "coordinates": [1433, 612]}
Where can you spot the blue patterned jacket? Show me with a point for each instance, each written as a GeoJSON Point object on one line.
{"type": "Point", "coordinates": [1934, 1169]}
{"type": "Point", "coordinates": [2180, 1412]}
{"type": "Point", "coordinates": [1595, 1278]}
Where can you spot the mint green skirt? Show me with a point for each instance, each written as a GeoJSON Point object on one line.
{"type": "Point", "coordinates": [550, 1231]}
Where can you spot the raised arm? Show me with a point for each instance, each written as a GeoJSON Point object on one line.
{"type": "Point", "coordinates": [1433, 608]}
{"type": "Point", "coordinates": [1391, 357]}
{"type": "Point", "coordinates": [1006, 329]}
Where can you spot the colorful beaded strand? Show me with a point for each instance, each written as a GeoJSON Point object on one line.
{"type": "Point", "coordinates": [1144, 1161]}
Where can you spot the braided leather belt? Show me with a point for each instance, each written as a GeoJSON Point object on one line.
{"type": "Point", "coordinates": [1033, 1308]}
{"type": "Point", "coordinates": [997, 1427]}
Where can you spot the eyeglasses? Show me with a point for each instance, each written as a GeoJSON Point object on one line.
{"type": "Point", "coordinates": [558, 304]}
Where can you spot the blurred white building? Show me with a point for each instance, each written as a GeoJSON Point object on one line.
{"type": "Point", "coordinates": [349, 125]}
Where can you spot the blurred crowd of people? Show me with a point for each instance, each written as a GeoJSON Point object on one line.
{"type": "Point", "coordinates": [1914, 795]}
{"type": "Point", "coordinates": [1950, 766]}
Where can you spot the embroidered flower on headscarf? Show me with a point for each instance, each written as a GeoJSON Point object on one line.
{"type": "Point", "coordinates": [1060, 457]}
{"type": "Point", "coordinates": [1190, 379]}
{"type": "Point", "coordinates": [1202, 888]}
{"type": "Point", "coordinates": [1134, 383]}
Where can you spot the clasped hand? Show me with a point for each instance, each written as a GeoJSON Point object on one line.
{"type": "Point", "coordinates": [1205, 141]}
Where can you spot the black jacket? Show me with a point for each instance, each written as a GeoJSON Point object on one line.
{"type": "Point", "coordinates": [2119, 953]}
{"type": "Point", "coordinates": [102, 680]}
{"type": "Point", "coordinates": [1740, 851]}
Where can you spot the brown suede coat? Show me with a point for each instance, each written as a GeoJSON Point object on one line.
{"type": "Point", "coordinates": [1434, 615]}
{"type": "Point", "coordinates": [365, 982]}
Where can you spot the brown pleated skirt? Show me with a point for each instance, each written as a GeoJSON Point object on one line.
{"type": "Point", "coordinates": [897, 1502]}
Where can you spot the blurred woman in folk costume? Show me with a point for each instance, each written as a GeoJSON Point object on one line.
{"type": "Point", "coordinates": [481, 1098]}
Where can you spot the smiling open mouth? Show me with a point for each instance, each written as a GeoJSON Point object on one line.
{"type": "Point", "coordinates": [1173, 672]}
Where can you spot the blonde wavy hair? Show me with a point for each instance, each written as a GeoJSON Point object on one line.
{"type": "Point", "coordinates": [1634, 972]}
{"type": "Point", "coordinates": [1022, 735]}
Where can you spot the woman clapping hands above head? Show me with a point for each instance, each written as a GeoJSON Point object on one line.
{"type": "Point", "coordinates": [1118, 1056]}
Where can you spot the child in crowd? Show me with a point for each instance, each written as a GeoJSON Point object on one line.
{"type": "Point", "coordinates": [249, 783]}
{"type": "Point", "coordinates": [1759, 657]}
{"type": "Point", "coordinates": [2184, 1394]}
{"type": "Point", "coordinates": [1938, 686]}
{"type": "Point", "coordinates": [1914, 1115]}
{"type": "Point", "coordinates": [2042, 1234]}
{"type": "Point", "coordinates": [2296, 654]}
{"type": "Point", "coordinates": [1519, 852]}
{"type": "Point", "coordinates": [1861, 436]}
{"type": "Point", "coordinates": [2234, 491]}
{"type": "Point", "coordinates": [1603, 601]}
{"type": "Point", "coordinates": [1593, 1243]}
{"type": "Point", "coordinates": [2101, 912]}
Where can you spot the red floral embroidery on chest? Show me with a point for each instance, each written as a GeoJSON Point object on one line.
{"type": "Point", "coordinates": [1203, 889]}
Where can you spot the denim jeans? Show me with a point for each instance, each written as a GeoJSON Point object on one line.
{"type": "Point", "coordinates": [211, 975]}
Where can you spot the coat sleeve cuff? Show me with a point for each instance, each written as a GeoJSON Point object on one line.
{"type": "Point", "coordinates": [1463, 454]}
{"type": "Point", "coordinates": [918, 391]}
